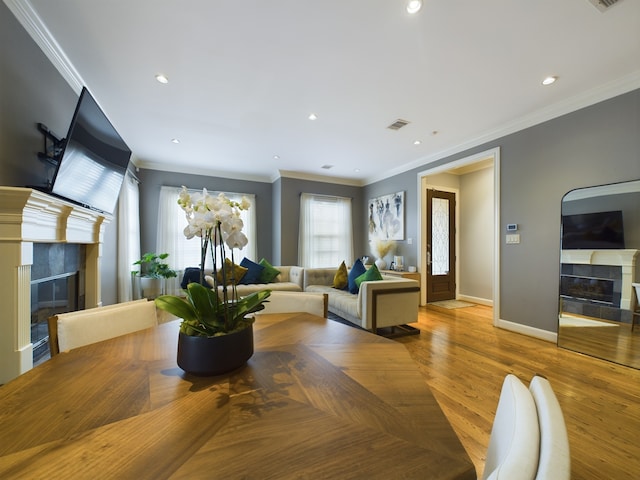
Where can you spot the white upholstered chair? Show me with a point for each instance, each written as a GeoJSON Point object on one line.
{"type": "Point", "coordinates": [515, 436]}
{"type": "Point", "coordinates": [555, 458]}
{"type": "Point", "coordinates": [285, 302]}
{"type": "Point", "coordinates": [83, 327]}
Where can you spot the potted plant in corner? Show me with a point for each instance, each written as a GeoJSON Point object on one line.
{"type": "Point", "coordinates": [216, 333]}
{"type": "Point", "coordinates": [153, 275]}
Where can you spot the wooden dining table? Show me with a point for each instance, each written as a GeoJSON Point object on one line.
{"type": "Point", "coordinates": [318, 399]}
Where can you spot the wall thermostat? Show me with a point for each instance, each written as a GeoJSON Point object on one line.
{"type": "Point", "coordinates": [512, 227]}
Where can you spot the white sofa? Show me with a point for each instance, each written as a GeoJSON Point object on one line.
{"type": "Point", "coordinates": [383, 303]}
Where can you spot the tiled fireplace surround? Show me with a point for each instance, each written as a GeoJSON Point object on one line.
{"type": "Point", "coordinates": [28, 216]}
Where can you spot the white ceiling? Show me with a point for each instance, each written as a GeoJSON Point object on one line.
{"type": "Point", "coordinates": [245, 75]}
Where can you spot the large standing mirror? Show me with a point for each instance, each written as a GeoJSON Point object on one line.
{"type": "Point", "coordinates": [600, 272]}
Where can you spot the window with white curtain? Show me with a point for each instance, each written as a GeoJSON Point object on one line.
{"type": "Point", "coordinates": [185, 253]}
{"type": "Point", "coordinates": [128, 235]}
{"type": "Point", "coordinates": [326, 231]}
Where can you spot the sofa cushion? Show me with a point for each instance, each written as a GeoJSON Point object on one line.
{"type": "Point", "coordinates": [357, 270]}
{"type": "Point", "coordinates": [269, 272]}
{"type": "Point", "coordinates": [254, 270]}
{"type": "Point", "coordinates": [371, 275]}
{"type": "Point", "coordinates": [341, 278]}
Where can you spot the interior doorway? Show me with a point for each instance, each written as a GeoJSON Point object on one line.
{"type": "Point", "coordinates": [431, 179]}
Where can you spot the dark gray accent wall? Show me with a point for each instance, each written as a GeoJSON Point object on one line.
{"type": "Point", "coordinates": [32, 91]}
{"type": "Point", "coordinates": [290, 190]}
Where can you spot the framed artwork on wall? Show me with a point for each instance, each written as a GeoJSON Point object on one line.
{"type": "Point", "coordinates": [386, 217]}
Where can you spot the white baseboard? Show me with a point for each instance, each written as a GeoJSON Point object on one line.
{"type": "Point", "coordinates": [529, 331]}
{"type": "Point", "coordinates": [480, 301]}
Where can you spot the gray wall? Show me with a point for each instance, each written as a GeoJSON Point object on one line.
{"type": "Point", "coordinates": [592, 146]}
{"type": "Point", "coordinates": [31, 92]}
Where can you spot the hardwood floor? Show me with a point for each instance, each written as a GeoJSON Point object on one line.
{"type": "Point", "coordinates": [465, 358]}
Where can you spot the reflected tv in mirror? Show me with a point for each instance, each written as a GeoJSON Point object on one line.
{"type": "Point", "coordinates": [599, 230]}
{"type": "Point", "coordinates": [94, 159]}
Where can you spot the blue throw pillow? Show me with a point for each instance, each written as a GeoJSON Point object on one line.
{"type": "Point", "coordinates": [191, 274]}
{"type": "Point", "coordinates": [357, 270]}
{"type": "Point", "coordinates": [254, 271]}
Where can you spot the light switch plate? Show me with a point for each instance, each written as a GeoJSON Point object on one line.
{"type": "Point", "coordinates": [513, 238]}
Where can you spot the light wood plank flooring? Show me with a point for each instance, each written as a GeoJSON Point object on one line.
{"type": "Point", "coordinates": [464, 360]}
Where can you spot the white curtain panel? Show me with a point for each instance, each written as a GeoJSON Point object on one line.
{"type": "Point", "coordinates": [185, 253]}
{"type": "Point", "coordinates": [128, 235]}
{"type": "Point", "coordinates": [326, 231]}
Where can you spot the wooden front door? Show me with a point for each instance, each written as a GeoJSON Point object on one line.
{"type": "Point", "coordinates": [441, 252]}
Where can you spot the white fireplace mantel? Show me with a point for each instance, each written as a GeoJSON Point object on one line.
{"type": "Point", "coordinates": [625, 258]}
{"type": "Point", "coordinates": [28, 216]}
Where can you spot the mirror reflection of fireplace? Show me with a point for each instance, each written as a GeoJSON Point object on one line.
{"type": "Point", "coordinates": [599, 262]}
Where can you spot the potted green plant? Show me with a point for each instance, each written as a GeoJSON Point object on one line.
{"type": "Point", "coordinates": [216, 333]}
{"type": "Point", "coordinates": [153, 275]}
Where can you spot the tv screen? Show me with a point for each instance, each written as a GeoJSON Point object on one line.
{"type": "Point", "coordinates": [600, 230]}
{"type": "Point", "coordinates": [94, 159]}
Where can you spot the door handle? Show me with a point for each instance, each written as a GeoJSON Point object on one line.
{"type": "Point", "coordinates": [428, 259]}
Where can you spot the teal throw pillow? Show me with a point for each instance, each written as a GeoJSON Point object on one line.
{"type": "Point", "coordinates": [254, 270]}
{"type": "Point", "coordinates": [269, 272]}
{"type": "Point", "coordinates": [371, 275]}
{"type": "Point", "coordinates": [357, 270]}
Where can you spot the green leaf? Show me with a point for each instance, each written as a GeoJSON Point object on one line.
{"type": "Point", "coordinates": [176, 306]}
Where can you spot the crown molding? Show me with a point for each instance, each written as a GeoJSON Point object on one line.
{"type": "Point", "coordinates": [190, 170]}
{"type": "Point", "coordinates": [29, 19]}
{"type": "Point", "coordinates": [318, 178]}
{"type": "Point", "coordinates": [591, 97]}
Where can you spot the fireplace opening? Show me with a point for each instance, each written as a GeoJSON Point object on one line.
{"type": "Point", "coordinates": [57, 279]}
{"type": "Point", "coordinates": [595, 290]}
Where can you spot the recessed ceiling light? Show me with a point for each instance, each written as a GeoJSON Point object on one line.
{"type": "Point", "coordinates": [276, 157]}
{"type": "Point", "coordinates": [417, 142]}
{"type": "Point", "coordinates": [414, 6]}
{"type": "Point", "coordinates": [175, 140]}
{"type": "Point", "coordinates": [313, 116]}
{"type": "Point", "coordinates": [549, 80]}
{"type": "Point", "coordinates": [162, 78]}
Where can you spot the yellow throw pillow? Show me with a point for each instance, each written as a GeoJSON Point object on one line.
{"type": "Point", "coordinates": [340, 280]}
{"type": "Point", "coordinates": [233, 272]}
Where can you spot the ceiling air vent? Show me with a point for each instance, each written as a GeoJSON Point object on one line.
{"type": "Point", "coordinates": [604, 5]}
{"type": "Point", "coordinates": [398, 124]}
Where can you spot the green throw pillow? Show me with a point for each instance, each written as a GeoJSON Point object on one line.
{"type": "Point", "coordinates": [269, 273]}
{"type": "Point", "coordinates": [373, 274]}
{"type": "Point", "coordinates": [341, 278]}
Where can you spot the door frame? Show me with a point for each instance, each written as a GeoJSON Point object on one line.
{"type": "Point", "coordinates": [493, 154]}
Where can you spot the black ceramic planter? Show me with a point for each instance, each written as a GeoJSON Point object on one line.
{"type": "Point", "coordinates": [207, 356]}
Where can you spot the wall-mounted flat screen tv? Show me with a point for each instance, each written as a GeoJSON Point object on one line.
{"type": "Point", "coordinates": [94, 159]}
{"type": "Point", "coordinates": [600, 230]}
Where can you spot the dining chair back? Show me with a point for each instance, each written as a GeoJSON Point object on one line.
{"type": "Point", "coordinates": [515, 435]}
{"type": "Point", "coordinates": [83, 327]}
{"type": "Point", "coordinates": [555, 458]}
{"type": "Point", "coordinates": [285, 302]}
